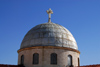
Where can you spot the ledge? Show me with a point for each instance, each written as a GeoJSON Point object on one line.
{"type": "Point", "coordinates": [48, 47]}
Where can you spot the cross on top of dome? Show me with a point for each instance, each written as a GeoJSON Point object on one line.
{"type": "Point", "coordinates": [49, 12]}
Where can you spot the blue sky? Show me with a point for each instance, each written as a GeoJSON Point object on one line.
{"type": "Point", "coordinates": [80, 17]}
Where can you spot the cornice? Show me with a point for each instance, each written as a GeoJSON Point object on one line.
{"type": "Point", "coordinates": [48, 47]}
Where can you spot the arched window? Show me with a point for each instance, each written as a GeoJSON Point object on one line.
{"type": "Point", "coordinates": [22, 60]}
{"type": "Point", "coordinates": [53, 58]}
{"type": "Point", "coordinates": [35, 58]}
{"type": "Point", "coordinates": [69, 60]}
{"type": "Point", "coordinates": [78, 62]}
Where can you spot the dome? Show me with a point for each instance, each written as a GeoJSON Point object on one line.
{"type": "Point", "coordinates": [49, 34]}
{"type": "Point", "coordinates": [48, 45]}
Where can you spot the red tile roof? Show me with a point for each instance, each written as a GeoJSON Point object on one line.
{"type": "Point", "coordinates": [2, 65]}
{"type": "Point", "coordinates": [98, 65]}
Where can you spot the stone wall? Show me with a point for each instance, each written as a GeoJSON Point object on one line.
{"type": "Point", "coordinates": [44, 57]}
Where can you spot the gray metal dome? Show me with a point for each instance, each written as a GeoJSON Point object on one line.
{"type": "Point", "coordinates": [49, 34]}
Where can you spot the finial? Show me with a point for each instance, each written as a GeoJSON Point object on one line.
{"type": "Point", "coordinates": [49, 12]}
